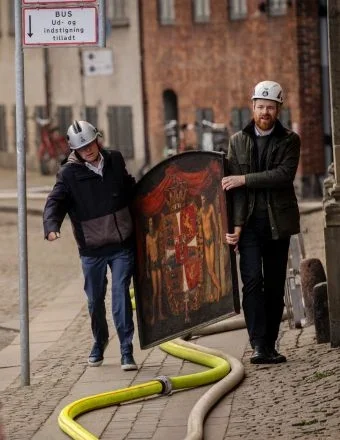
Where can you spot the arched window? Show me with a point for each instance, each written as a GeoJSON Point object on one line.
{"type": "Point", "coordinates": [170, 109]}
{"type": "Point", "coordinates": [170, 105]}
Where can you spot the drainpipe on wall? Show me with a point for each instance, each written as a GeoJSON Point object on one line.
{"type": "Point", "coordinates": [332, 202]}
{"type": "Point", "coordinates": [47, 75]}
{"type": "Point", "coordinates": [326, 107]}
{"type": "Point", "coordinates": [82, 86]}
{"type": "Point", "coordinates": [146, 165]}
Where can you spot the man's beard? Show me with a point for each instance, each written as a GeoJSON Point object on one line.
{"type": "Point", "coordinates": [265, 124]}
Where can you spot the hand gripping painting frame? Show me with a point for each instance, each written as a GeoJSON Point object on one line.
{"type": "Point", "coordinates": [186, 275]}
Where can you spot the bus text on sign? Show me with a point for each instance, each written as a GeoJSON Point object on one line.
{"type": "Point", "coordinates": [60, 26]}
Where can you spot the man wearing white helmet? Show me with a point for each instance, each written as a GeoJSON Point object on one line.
{"type": "Point", "coordinates": [262, 162]}
{"type": "Point", "coordinates": [94, 188]}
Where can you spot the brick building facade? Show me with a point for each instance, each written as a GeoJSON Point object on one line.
{"type": "Point", "coordinates": [202, 58]}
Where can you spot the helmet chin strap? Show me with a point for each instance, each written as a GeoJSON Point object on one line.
{"type": "Point", "coordinates": [78, 156]}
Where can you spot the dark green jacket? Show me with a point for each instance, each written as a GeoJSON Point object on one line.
{"type": "Point", "coordinates": [276, 180]}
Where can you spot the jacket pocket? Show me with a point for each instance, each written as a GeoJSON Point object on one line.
{"type": "Point", "coordinates": [123, 222]}
{"type": "Point", "coordinates": [108, 229]}
{"type": "Point", "coordinates": [287, 219]}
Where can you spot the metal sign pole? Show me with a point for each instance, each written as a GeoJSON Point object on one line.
{"type": "Point", "coordinates": [86, 16]}
{"type": "Point", "coordinates": [102, 23]}
{"type": "Point", "coordinates": [22, 201]}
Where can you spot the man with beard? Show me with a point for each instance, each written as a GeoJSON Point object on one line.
{"type": "Point", "coordinates": [262, 162]}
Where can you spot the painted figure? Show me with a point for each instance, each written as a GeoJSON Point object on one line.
{"type": "Point", "coordinates": [210, 232]}
{"type": "Point", "coordinates": [154, 271]}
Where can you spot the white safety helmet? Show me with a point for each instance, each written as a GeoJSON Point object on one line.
{"type": "Point", "coordinates": [268, 90]}
{"type": "Point", "coordinates": [80, 134]}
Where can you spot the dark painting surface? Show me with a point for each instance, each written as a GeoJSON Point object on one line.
{"type": "Point", "coordinates": [186, 275]}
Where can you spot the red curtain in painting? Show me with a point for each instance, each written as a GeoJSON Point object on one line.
{"type": "Point", "coordinates": [153, 203]}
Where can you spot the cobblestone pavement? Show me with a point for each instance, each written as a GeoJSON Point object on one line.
{"type": "Point", "coordinates": [297, 400]}
{"type": "Point", "coordinates": [52, 375]}
{"type": "Point", "coordinates": [50, 266]}
{"type": "Point", "coordinates": [300, 399]}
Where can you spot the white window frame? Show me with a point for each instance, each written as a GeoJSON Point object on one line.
{"type": "Point", "coordinates": [166, 12]}
{"type": "Point", "coordinates": [277, 7]}
{"type": "Point", "coordinates": [116, 11]}
{"type": "Point", "coordinates": [120, 121]}
{"type": "Point", "coordinates": [91, 115]}
{"type": "Point", "coordinates": [64, 117]}
{"type": "Point", "coordinates": [201, 11]}
{"type": "Point", "coordinates": [238, 9]}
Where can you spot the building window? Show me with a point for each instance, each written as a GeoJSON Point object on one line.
{"type": "Point", "coordinates": [64, 117]}
{"type": "Point", "coordinates": [203, 114]}
{"type": "Point", "coordinates": [285, 117]}
{"type": "Point", "coordinates": [237, 9]}
{"type": "Point", "coordinates": [91, 116]}
{"type": "Point", "coordinates": [201, 9]}
{"type": "Point", "coordinates": [170, 109]}
{"type": "Point", "coordinates": [116, 11]}
{"type": "Point", "coordinates": [277, 7]}
{"type": "Point", "coordinates": [240, 117]}
{"type": "Point", "coordinates": [166, 12]}
{"type": "Point", "coordinates": [120, 130]}
{"type": "Point", "coordinates": [3, 130]}
{"type": "Point", "coordinates": [40, 112]}
{"type": "Point", "coordinates": [11, 17]}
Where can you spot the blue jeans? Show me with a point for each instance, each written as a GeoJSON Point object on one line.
{"type": "Point", "coordinates": [263, 265]}
{"type": "Point", "coordinates": [121, 264]}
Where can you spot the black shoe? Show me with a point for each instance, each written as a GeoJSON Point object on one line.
{"type": "Point", "coordinates": [277, 358]}
{"type": "Point", "coordinates": [97, 354]}
{"type": "Point", "coordinates": [128, 363]}
{"type": "Point", "coordinates": [261, 355]}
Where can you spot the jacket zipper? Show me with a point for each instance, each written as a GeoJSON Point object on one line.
{"type": "Point", "coordinates": [252, 146]}
{"type": "Point", "coordinates": [272, 222]}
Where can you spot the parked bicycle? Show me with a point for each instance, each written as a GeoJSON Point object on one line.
{"type": "Point", "coordinates": [53, 148]}
{"type": "Point", "coordinates": [184, 137]}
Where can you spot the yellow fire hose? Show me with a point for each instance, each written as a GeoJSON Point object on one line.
{"type": "Point", "coordinates": [220, 366]}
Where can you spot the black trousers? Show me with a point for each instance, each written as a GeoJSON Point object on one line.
{"type": "Point", "coordinates": [263, 265]}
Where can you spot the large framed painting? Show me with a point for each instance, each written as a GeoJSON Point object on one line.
{"type": "Point", "coordinates": [186, 274]}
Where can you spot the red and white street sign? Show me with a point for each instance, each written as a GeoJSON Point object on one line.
{"type": "Point", "coordinates": [60, 26]}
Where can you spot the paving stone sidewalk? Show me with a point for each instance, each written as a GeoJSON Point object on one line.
{"type": "Point", "coordinates": [297, 400]}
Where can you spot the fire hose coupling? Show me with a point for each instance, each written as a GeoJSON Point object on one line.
{"type": "Point", "coordinates": [166, 384]}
